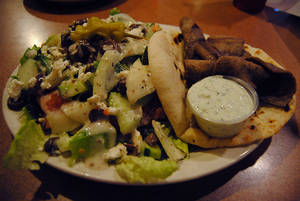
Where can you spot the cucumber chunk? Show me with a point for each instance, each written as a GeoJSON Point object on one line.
{"type": "Point", "coordinates": [152, 151]}
{"type": "Point", "coordinates": [53, 40]}
{"type": "Point", "coordinates": [105, 76]}
{"type": "Point", "coordinates": [129, 116]}
{"type": "Point", "coordinates": [26, 71]}
{"type": "Point", "coordinates": [70, 89]}
{"type": "Point", "coordinates": [93, 138]}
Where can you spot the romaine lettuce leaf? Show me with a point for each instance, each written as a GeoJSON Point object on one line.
{"type": "Point", "coordinates": [27, 148]}
{"type": "Point", "coordinates": [179, 144]}
{"type": "Point", "coordinates": [175, 148]}
{"type": "Point", "coordinates": [144, 169]}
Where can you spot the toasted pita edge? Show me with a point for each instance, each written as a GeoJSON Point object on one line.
{"type": "Point", "coordinates": [266, 122]}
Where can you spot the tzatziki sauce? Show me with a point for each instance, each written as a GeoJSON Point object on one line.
{"type": "Point", "coordinates": [221, 105]}
{"type": "Point", "coordinates": [217, 98]}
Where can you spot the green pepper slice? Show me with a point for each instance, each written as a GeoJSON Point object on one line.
{"type": "Point", "coordinates": [96, 26]}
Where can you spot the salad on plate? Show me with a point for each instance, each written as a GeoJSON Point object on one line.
{"type": "Point", "coordinates": [86, 94]}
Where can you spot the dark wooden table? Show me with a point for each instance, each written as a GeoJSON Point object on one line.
{"type": "Point", "coordinates": [271, 172]}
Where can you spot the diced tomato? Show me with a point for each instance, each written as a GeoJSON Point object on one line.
{"type": "Point", "coordinates": [106, 111]}
{"type": "Point", "coordinates": [155, 28]}
{"type": "Point", "coordinates": [55, 102]}
{"type": "Point", "coordinates": [51, 101]}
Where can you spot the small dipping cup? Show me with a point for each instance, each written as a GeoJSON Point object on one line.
{"type": "Point", "coordinates": [225, 128]}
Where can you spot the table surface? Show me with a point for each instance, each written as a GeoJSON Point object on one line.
{"type": "Point", "coordinates": [271, 172]}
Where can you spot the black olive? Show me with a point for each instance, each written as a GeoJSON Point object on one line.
{"type": "Point", "coordinates": [121, 86]}
{"type": "Point", "coordinates": [85, 95]}
{"type": "Point", "coordinates": [131, 149]}
{"type": "Point", "coordinates": [151, 139]}
{"type": "Point", "coordinates": [96, 114]}
{"type": "Point", "coordinates": [108, 45]}
{"type": "Point", "coordinates": [17, 105]}
{"type": "Point", "coordinates": [77, 22]}
{"type": "Point", "coordinates": [50, 146]}
{"type": "Point", "coordinates": [66, 39]}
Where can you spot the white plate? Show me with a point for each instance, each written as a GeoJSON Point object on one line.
{"type": "Point", "coordinates": [198, 165]}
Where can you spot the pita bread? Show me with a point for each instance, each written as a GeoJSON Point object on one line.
{"type": "Point", "coordinates": [165, 54]}
{"type": "Point", "coordinates": [167, 70]}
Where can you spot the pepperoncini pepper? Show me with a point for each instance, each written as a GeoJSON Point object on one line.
{"type": "Point", "coordinates": [96, 26]}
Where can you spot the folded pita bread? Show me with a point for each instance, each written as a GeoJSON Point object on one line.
{"type": "Point", "coordinates": [167, 71]}
{"type": "Point", "coordinates": [165, 54]}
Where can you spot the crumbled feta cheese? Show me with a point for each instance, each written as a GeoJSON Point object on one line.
{"type": "Point", "coordinates": [56, 76]}
{"type": "Point", "coordinates": [115, 152]}
{"type": "Point", "coordinates": [44, 50]}
{"type": "Point", "coordinates": [137, 139]}
{"type": "Point", "coordinates": [137, 31]}
{"type": "Point", "coordinates": [82, 76]}
{"type": "Point", "coordinates": [15, 88]}
{"type": "Point", "coordinates": [56, 52]}
{"type": "Point", "coordinates": [60, 65]}
{"type": "Point", "coordinates": [31, 53]}
{"type": "Point", "coordinates": [32, 82]}
{"type": "Point", "coordinates": [113, 111]}
{"type": "Point", "coordinates": [97, 100]}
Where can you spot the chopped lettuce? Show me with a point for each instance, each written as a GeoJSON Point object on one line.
{"type": "Point", "coordinates": [27, 148]}
{"type": "Point", "coordinates": [179, 144]}
{"type": "Point", "coordinates": [114, 11]}
{"type": "Point", "coordinates": [175, 148]}
{"type": "Point", "coordinates": [43, 62]}
{"type": "Point", "coordinates": [144, 169]}
{"type": "Point", "coordinates": [29, 53]}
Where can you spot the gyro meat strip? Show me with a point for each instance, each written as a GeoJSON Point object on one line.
{"type": "Point", "coordinates": [192, 34]}
{"type": "Point", "coordinates": [279, 88]}
{"type": "Point", "coordinates": [198, 69]}
{"type": "Point", "coordinates": [206, 51]}
{"type": "Point", "coordinates": [228, 45]}
{"type": "Point", "coordinates": [273, 84]}
{"type": "Point", "coordinates": [193, 37]}
{"type": "Point", "coordinates": [238, 67]}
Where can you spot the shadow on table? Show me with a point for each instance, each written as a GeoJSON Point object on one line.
{"type": "Point", "coordinates": [287, 26]}
{"type": "Point", "coordinates": [56, 183]}
{"type": "Point", "coordinates": [284, 20]}
{"type": "Point", "coordinates": [68, 7]}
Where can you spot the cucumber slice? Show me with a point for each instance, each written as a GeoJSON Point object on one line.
{"type": "Point", "coordinates": [70, 89]}
{"type": "Point", "coordinates": [26, 71]}
{"type": "Point", "coordinates": [105, 76]}
{"type": "Point", "coordinates": [93, 138]}
{"type": "Point", "coordinates": [130, 115]}
{"type": "Point", "coordinates": [152, 151]}
{"type": "Point", "coordinates": [53, 40]}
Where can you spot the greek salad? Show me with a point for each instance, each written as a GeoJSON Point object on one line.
{"type": "Point", "coordinates": [87, 94]}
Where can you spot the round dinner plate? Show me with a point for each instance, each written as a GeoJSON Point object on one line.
{"type": "Point", "coordinates": [200, 163]}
